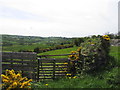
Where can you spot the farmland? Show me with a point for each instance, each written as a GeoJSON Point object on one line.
{"type": "Point", "coordinates": [107, 77]}
{"type": "Point", "coordinates": [17, 43]}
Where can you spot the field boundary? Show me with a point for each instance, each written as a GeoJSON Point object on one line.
{"type": "Point", "coordinates": [32, 66]}
{"type": "Point", "coordinates": [20, 61]}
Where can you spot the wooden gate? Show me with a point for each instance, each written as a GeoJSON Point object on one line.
{"type": "Point", "coordinates": [49, 68]}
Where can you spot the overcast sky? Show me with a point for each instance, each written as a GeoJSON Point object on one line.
{"type": "Point", "coordinates": [66, 18]}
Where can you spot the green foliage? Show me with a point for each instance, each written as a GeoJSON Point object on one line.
{"type": "Point", "coordinates": [78, 41]}
{"type": "Point", "coordinates": [37, 50]}
{"type": "Point", "coordinates": [94, 54]}
{"type": "Point", "coordinates": [113, 78]}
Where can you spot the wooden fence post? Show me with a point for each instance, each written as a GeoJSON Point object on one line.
{"type": "Point", "coordinates": [11, 60]}
{"type": "Point", "coordinates": [38, 69]}
{"type": "Point", "coordinates": [54, 69]}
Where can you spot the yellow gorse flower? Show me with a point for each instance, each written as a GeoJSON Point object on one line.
{"type": "Point", "coordinates": [79, 49]}
{"type": "Point", "coordinates": [65, 63]}
{"type": "Point", "coordinates": [11, 80]}
{"type": "Point", "coordinates": [73, 52]}
{"type": "Point", "coordinates": [106, 37]}
{"type": "Point", "coordinates": [68, 74]}
{"type": "Point", "coordinates": [46, 84]}
{"type": "Point", "coordinates": [69, 77]}
{"type": "Point", "coordinates": [75, 77]}
{"type": "Point", "coordinates": [74, 55]}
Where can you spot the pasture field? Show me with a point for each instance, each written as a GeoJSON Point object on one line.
{"type": "Point", "coordinates": [16, 48]}
{"type": "Point", "coordinates": [59, 51]}
{"type": "Point", "coordinates": [16, 43]}
{"type": "Point", "coordinates": [105, 78]}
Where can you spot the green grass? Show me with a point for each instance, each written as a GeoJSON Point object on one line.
{"type": "Point", "coordinates": [108, 78]}
{"type": "Point", "coordinates": [58, 52]}
{"type": "Point", "coordinates": [16, 48]}
{"type": "Point", "coordinates": [114, 51]}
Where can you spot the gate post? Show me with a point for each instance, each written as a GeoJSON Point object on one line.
{"type": "Point", "coordinates": [38, 69]}
{"type": "Point", "coordinates": [53, 69]}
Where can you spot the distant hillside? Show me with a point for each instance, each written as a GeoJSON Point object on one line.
{"type": "Point", "coordinates": [17, 42]}
{"type": "Point", "coordinates": [28, 40]}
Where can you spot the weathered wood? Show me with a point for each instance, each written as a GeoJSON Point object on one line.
{"type": "Point", "coordinates": [55, 55]}
{"type": "Point", "coordinates": [54, 69]}
{"type": "Point", "coordinates": [53, 77]}
{"type": "Point", "coordinates": [18, 65]}
{"type": "Point", "coordinates": [45, 78]}
{"type": "Point", "coordinates": [51, 64]}
{"type": "Point", "coordinates": [19, 55]}
{"type": "Point", "coordinates": [51, 60]}
{"type": "Point", "coordinates": [20, 62]}
{"type": "Point", "coordinates": [17, 68]}
{"type": "Point", "coordinates": [38, 70]}
{"type": "Point", "coordinates": [27, 62]}
{"type": "Point", "coordinates": [51, 72]}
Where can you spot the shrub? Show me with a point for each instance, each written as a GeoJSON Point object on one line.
{"type": "Point", "coordinates": [92, 54]}
{"type": "Point", "coordinates": [11, 80]}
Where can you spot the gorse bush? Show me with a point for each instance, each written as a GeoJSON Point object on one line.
{"type": "Point", "coordinates": [11, 80]}
{"type": "Point", "coordinates": [91, 55]}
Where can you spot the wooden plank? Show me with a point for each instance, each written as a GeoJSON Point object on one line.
{"type": "Point", "coordinates": [50, 60]}
{"type": "Point", "coordinates": [18, 68]}
{"type": "Point", "coordinates": [38, 68]}
{"type": "Point", "coordinates": [46, 75]}
{"type": "Point", "coordinates": [28, 62]}
{"type": "Point", "coordinates": [19, 55]}
{"type": "Point", "coordinates": [51, 72]}
{"type": "Point", "coordinates": [52, 75]}
{"type": "Point", "coordinates": [46, 70]}
{"type": "Point", "coordinates": [55, 55]}
{"type": "Point", "coordinates": [45, 78]}
{"type": "Point", "coordinates": [53, 67]}
{"type": "Point", "coordinates": [17, 65]}
{"type": "Point", "coordinates": [51, 64]}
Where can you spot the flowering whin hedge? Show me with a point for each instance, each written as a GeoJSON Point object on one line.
{"type": "Point", "coordinates": [11, 80]}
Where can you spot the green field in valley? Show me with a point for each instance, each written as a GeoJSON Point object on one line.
{"type": "Point", "coordinates": [59, 51]}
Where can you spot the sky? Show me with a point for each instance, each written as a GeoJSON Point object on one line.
{"type": "Point", "coordinates": [61, 18]}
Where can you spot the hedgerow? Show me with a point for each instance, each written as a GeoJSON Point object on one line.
{"type": "Point", "coordinates": [92, 55]}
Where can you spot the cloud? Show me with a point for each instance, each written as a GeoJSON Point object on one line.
{"type": "Point", "coordinates": [8, 12]}
{"type": "Point", "coordinates": [70, 18]}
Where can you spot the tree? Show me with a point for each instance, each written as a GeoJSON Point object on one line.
{"type": "Point", "coordinates": [37, 49]}
{"type": "Point", "coordinates": [78, 41]}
